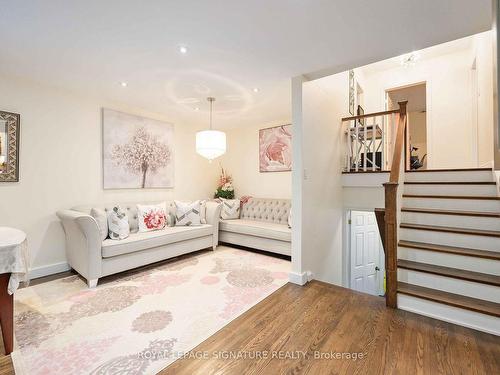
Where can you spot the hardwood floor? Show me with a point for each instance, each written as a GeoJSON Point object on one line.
{"type": "Point", "coordinates": [323, 320]}
{"type": "Point", "coordinates": [320, 319]}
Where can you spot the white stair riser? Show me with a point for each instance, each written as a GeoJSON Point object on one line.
{"type": "Point", "coordinates": [450, 260]}
{"type": "Point", "coordinates": [453, 204]}
{"type": "Point", "coordinates": [476, 190]}
{"type": "Point", "coordinates": [466, 318]}
{"type": "Point", "coordinates": [451, 239]}
{"type": "Point", "coordinates": [451, 285]}
{"type": "Point", "coordinates": [457, 221]}
{"type": "Point", "coordinates": [450, 176]}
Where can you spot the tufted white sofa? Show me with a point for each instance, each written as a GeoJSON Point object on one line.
{"type": "Point", "coordinates": [93, 258]}
{"type": "Point", "coordinates": [263, 225]}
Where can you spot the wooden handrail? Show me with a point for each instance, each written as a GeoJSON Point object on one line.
{"type": "Point", "coordinates": [391, 211]}
{"type": "Point", "coordinates": [399, 145]}
{"type": "Point", "coordinates": [374, 114]}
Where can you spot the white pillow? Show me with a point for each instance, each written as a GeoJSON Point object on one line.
{"type": "Point", "coordinates": [203, 211]}
{"type": "Point", "coordinates": [118, 224]}
{"type": "Point", "coordinates": [230, 209]}
{"type": "Point", "coordinates": [152, 217]}
{"type": "Point", "coordinates": [102, 221]}
{"type": "Point", "coordinates": [187, 213]}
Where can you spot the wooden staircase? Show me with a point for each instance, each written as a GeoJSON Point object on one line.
{"type": "Point", "coordinates": [448, 251]}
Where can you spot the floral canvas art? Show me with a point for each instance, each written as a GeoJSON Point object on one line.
{"type": "Point", "coordinates": [137, 152]}
{"type": "Point", "coordinates": [275, 149]}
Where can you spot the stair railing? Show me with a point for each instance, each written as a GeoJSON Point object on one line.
{"type": "Point", "coordinates": [370, 141]}
{"type": "Point", "coordinates": [393, 199]}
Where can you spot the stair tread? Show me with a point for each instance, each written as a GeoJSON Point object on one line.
{"type": "Point", "coordinates": [450, 183]}
{"type": "Point", "coordinates": [436, 228]}
{"type": "Point", "coordinates": [451, 299]}
{"type": "Point", "coordinates": [477, 197]}
{"type": "Point", "coordinates": [450, 170]}
{"type": "Point", "coordinates": [455, 273]}
{"type": "Point", "coordinates": [494, 255]}
{"type": "Point", "coordinates": [451, 212]}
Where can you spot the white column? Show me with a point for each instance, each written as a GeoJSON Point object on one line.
{"type": "Point", "coordinates": [297, 275]}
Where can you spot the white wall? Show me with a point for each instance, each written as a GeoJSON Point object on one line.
{"type": "Point", "coordinates": [452, 137]}
{"type": "Point", "coordinates": [484, 64]}
{"type": "Point", "coordinates": [242, 162]}
{"type": "Point", "coordinates": [325, 101]}
{"type": "Point", "coordinates": [60, 164]}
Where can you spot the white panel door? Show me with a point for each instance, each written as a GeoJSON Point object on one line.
{"type": "Point", "coordinates": [365, 253]}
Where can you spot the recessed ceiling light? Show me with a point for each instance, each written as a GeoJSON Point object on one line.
{"type": "Point", "coordinates": [123, 84]}
{"type": "Point", "coordinates": [197, 109]}
{"type": "Point", "coordinates": [255, 89]}
{"type": "Point", "coordinates": [183, 49]}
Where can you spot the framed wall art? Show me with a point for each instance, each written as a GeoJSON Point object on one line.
{"type": "Point", "coordinates": [138, 152]}
{"type": "Point", "coordinates": [9, 146]}
{"type": "Point", "coordinates": [275, 149]}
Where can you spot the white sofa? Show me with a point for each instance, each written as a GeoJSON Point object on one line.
{"type": "Point", "coordinates": [263, 225]}
{"type": "Point", "coordinates": [93, 258]}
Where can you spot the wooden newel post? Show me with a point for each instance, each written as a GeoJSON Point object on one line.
{"type": "Point", "coordinates": [391, 241]}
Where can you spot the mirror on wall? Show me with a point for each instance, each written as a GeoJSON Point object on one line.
{"type": "Point", "coordinates": [9, 146]}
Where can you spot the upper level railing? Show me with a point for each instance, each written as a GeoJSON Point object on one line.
{"type": "Point", "coordinates": [370, 141]}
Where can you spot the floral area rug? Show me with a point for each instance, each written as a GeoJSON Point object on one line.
{"type": "Point", "coordinates": [141, 322]}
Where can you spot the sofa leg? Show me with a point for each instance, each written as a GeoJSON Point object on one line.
{"type": "Point", "coordinates": [92, 283]}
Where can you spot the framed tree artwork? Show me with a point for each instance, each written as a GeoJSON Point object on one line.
{"type": "Point", "coordinates": [275, 149]}
{"type": "Point", "coordinates": [137, 152]}
{"type": "Point", "coordinates": [9, 146]}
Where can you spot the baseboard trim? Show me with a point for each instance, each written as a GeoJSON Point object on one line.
{"type": "Point", "coordinates": [450, 314]}
{"type": "Point", "coordinates": [47, 270]}
{"type": "Point", "coordinates": [300, 278]}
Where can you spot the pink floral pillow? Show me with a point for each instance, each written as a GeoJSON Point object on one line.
{"type": "Point", "coordinates": [152, 217]}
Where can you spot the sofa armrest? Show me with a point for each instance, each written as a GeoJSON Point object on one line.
{"type": "Point", "coordinates": [213, 218]}
{"type": "Point", "coordinates": [83, 243]}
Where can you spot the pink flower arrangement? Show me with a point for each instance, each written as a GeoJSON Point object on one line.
{"type": "Point", "coordinates": [155, 219]}
{"type": "Point", "coordinates": [224, 178]}
{"type": "Point", "coordinates": [225, 187]}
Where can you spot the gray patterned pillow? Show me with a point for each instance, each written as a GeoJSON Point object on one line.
{"type": "Point", "coordinates": [230, 209]}
{"type": "Point", "coordinates": [118, 224]}
{"type": "Point", "coordinates": [187, 213]}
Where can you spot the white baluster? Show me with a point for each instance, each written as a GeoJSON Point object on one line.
{"type": "Point", "coordinates": [356, 141]}
{"type": "Point", "coordinates": [365, 144]}
{"type": "Point", "coordinates": [374, 142]}
{"type": "Point", "coordinates": [382, 144]}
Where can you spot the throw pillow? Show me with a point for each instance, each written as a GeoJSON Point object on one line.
{"type": "Point", "coordinates": [230, 209]}
{"type": "Point", "coordinates": [203, 211]}
{"type": "Point", "coordinates": [187, 213]}
{"type": "Point", "coordinates": [152, 217]}
{"type": "Point", "coordinates": [118, 224]}
{"type": "Point", "coordinates": [102, 221]}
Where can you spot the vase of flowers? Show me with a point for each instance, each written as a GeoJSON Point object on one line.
{"type": "Point", "coordinates": [225, 187]}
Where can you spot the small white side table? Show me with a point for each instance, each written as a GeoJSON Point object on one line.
{"type": "Point", "coordinates": [14, 265]}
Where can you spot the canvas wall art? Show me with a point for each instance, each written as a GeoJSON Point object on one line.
{"type": "Point", "coordinates": [275, 149]}
{"type": "Point", "coordinates": [137, 152]}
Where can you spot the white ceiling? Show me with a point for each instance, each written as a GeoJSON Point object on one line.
{"type": "Point", "coordinates": [233, 46]}
{"type": "Point", "coordinates": [457, 45]}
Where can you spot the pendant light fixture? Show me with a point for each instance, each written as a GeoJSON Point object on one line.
{"type": "Point", "coordinates": [211, 143]}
